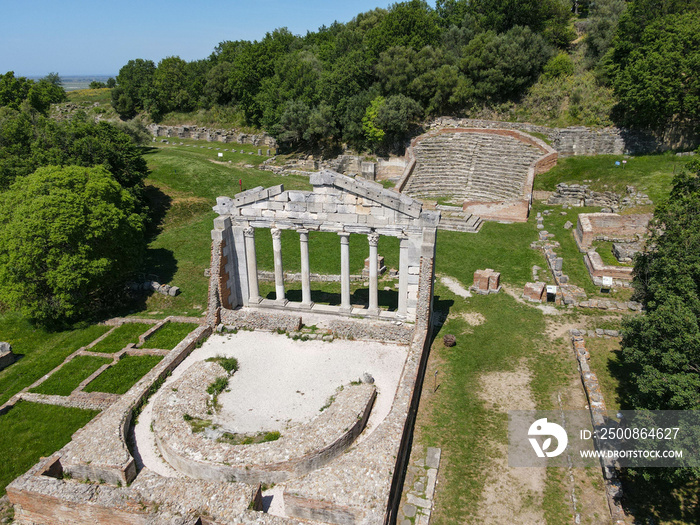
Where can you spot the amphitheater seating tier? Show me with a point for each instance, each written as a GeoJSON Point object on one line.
{"type": "Point", "coordinates": [471, 166]}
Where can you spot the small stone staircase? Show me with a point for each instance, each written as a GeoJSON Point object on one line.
{"type": "Point", "coordinates": [454, 219]}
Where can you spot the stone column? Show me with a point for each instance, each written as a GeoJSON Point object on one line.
{"type": "Point", "coordinates": [305, 274]}
{"type": "Point", "coordinates": [345, 272]}
{"type": "Point", "coordinates": [373, 266]}
{"type": "Point", "coordinates": [279, 271]}
{"type": "Point", "coordinates": [252, 266]}
{"type": "Point", "coordinates": [403, 279]}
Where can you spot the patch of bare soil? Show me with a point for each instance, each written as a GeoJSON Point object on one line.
{"type": "Point", "coordinates": [510, 495]}
{"type": "Point", "coordinates": [473, 318]}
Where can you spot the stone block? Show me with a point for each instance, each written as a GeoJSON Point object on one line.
{"type": "Point", "coordinates": [494, 281]}
{"type": "Point", "coordinates": [534, 292]}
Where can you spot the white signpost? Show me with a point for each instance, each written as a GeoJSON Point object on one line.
{"type": "Point", "coordinates": [607, 281]}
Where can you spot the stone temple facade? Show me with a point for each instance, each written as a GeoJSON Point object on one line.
{"type": "Point", "coordinates": [337, 204]}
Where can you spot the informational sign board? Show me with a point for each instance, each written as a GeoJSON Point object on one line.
{"type": "Point", "coordinates": [607, 281]}
{"type": "Point", "coordinates": [221, 154]}
{"type": "Point", "coordinates": [551, 289]}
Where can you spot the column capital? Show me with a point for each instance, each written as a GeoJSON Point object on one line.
{"type": "Point", "coordinates": [344, 237]}
{"type": "Point", "coordinates": [303, 231]}
{"type": "Point", "coordinates": [373, 239]}
{"type": "Point", "coordinates": [276, 233]}
{"type": "Point", "coordinates": [249, 231]}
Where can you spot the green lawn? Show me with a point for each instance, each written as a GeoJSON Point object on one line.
{"type": "Point", "coordinates": [120, 337]}
{"type": "Point", "coordinates": [650, 174]}
{"type": "Point", "coordinates": [31, 431]}
{"type": "Point", "coordinates": [169, 336]}
{"type": "Point", "coordinates": [119, 378]}
{"type": "Point", "coordinates": [69, 377]}
{"type": "Point", "coordinates": [40, 351]}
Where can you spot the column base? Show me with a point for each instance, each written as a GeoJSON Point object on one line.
{"type": "Point", "coordinates": [307, 306]}
{"type": "Point", "coordinates": [401, 317]}
{"type": "Point", "coordinates": [280, 302]}
{"type": "Point", "coordinates": [373, 311]}
{"type": "Point", "coordinates": [254, 300]}
{"type": "Point", "coordinates": [345, 309]}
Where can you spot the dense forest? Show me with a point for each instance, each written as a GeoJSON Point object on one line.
{"type": "Point", "coordinates": [368, 81]}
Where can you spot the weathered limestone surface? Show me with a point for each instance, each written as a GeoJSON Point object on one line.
{"type": "Point", "coordinates": [534, 292]}
{"type": "Point", "coordinates": [300, 449]}
{"type": "Point", "coordinates": [486, 281]}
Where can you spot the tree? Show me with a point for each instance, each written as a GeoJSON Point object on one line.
{"type": "Point", "coordinates": [28, 142]}
{"type": "Point", "coordinates": [662, 347]}
{"type": "Point", "coordinates": [501, 66]}
{"type": "Point", "coordinates": [68, 238]}
{"type": "Point", "coordinates": [134, 91]}
{"type": "Point", "coordinates": [655, 75]}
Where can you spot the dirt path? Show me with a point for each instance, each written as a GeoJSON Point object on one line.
{"type": "Point", "coordinates": [510, 495]}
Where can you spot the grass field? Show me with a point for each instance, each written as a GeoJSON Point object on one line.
{"type": "Point", "coordinates": [33, 430]}
{"type": "Point", "coordinates": [650, 174]}
{"type": "Point", "coordinates": [40, 351]}
{"type": "Point", "coordinates": [169, 336]}
{"type": "Point", "coordinates": [119, 378]}
{"type": "Point", "coordinates": [69, 377]}
{"type": "Point", "coordinates": [120, 337]}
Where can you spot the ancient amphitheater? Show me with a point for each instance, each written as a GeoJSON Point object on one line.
{"type": "Point", "coordinates": [476, 174]}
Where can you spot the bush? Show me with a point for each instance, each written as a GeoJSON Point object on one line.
{"type": "Point", "coordinates": [560, 65]}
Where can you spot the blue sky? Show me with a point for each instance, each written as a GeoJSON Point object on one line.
{"type": "Point", "coordinates": [76, 37]}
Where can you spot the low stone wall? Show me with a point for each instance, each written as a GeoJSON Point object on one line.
{"type": "Point", "coordinates": [212, 135]}
{"type": "Point", "coordinates": [300, 449]}
{"type": "Point", "coordinates": [596, 405]}
{"type": "Point", "coordinates": [256, 320]}
{"type": "Point", "coordinates": [387, 331]}
{"type": "Point", "coordinates": [580, 195]}
{"type": "Point", "coordinates": [98, 451]}
{"type": "Point", "coordinates": [621, 275]}
{"type": "Point", "coordinates": [592, 227]}
{"type": "Point", "coordinates": [52, 500]}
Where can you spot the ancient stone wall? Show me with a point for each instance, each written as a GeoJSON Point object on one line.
{"type": "Point", "coordinates": [212, 135]}
{"type": "Point", "coordinates": [621, 275]}
{"type": "Point", "coordinates": [581, 195]}
{"type": "Point", "coordinates": [580, 140]}
{"type": "Point", "coordinates": [592, 227]}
